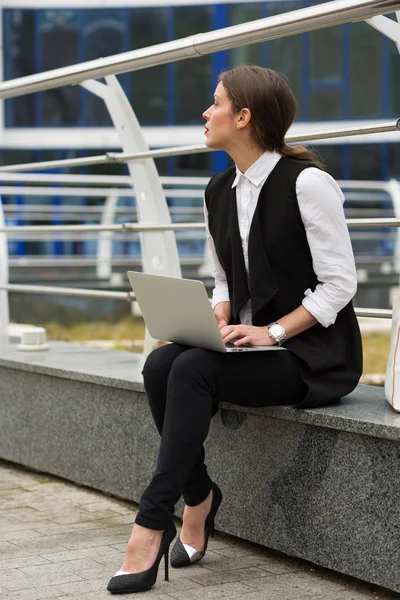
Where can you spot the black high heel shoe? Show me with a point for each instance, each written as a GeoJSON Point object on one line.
{"type": "Point", "coordinates": [123, 583]}
{"type": "Point", "coordinates": [183, 555]}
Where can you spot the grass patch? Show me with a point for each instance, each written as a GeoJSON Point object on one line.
{"type": "Point", "coordinates": [375, 346]}
{"type": "Point", "coordinates": [128, 328]}
{"type": "Point", "coordinates": [375, 352]}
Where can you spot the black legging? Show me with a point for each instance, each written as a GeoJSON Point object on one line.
{"type": "Point", "coordinates": [184, 386]}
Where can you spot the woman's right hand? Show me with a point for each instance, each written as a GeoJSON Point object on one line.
{"type": "Point", "coordinates": [222, 312]}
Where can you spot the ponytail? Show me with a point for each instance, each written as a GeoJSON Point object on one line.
{"type": "Point", "coordinates": [302, 153]}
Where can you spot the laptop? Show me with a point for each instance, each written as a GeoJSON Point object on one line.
{"type": "Point", "coordinates": [179, 310]}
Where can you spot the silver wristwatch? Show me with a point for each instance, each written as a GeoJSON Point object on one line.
{"type": "Point", "coordinates": [277, 332]}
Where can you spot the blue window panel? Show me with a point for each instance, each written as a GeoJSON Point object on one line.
{"type": "Point", "coordinates": [56, 245]}
{"type": "Point", "coordinates": [346, 71]}
{"type": "Point", "coordinates": [20, 244]}
{"type": "Point", "coordinates": [58, 46]}
{"type": "Point", "coordinates": [305, 68]}
{"type": "Point", "coordinates": [346, 161]}
{"type": "Point", "coordinates": [386, 87]}
{"type": "Point", "coordinates": [366, 64]}
{"type": "Point", "coordinates": [126, 78]}
{"type": "Point", "coordinates": [83, 94]}
{"type": "Point", "coordinates": [265, 45]}
{"type": "Point", "coordinates": [8, 74]}
{"type": "Point", "coordinates": [219, 160]}
{"type": "Point", "coordinates": [219, 21]}
{"type": "Point", "coordinates": [104, 33]}
{"type": "Point", "coordinates": [385, 162]}
{"type": "Point", "coordinates": [38, 98]}
{"type": "Point", "coordinates": [171, 165]}
{"type": "Point", "coordinates": [171, 70]}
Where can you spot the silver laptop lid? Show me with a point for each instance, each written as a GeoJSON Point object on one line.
{"type": "Point", "coordinates": [177, 310]}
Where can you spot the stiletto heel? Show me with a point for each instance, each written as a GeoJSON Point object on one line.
{"type": "Point", "coordinates": [166, 561]}
{"type": "Point", "coordinates": [183, 555]}
{"type": "Point", "coordinates": [123, 583]}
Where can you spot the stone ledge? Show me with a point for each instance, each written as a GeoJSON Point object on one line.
{"type": "Point", "coordinates": [365, 411]}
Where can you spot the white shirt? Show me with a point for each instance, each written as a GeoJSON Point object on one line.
{"type": "Point", "coordinates": [320, 201]}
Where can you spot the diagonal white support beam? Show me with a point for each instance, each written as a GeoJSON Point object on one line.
{"type": "Point", "coordinates": [159, 250]}
{"type": "Point", "coordinates": [388, 27]}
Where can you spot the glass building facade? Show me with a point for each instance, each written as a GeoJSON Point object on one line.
{"type": "Point", "coordinates": [343, 73]}
{"type": "Point", "coordinates": [340, 73]}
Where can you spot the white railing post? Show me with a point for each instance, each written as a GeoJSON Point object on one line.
{"type": "Point", "coordinates": [4, 312]}
{"type": "Point", "coordinates": [104, 242]}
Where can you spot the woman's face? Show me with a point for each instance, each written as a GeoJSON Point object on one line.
{"type": "Point", "coordinates": [220, 127]}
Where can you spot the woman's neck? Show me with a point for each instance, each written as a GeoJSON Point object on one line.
{"type": "Point", "coordinates": [245, 157]}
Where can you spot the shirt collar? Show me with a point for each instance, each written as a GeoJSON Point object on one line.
{"type": "Point", "coordinates": [259, 170]}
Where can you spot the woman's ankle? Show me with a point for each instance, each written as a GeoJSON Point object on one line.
{"type": "Point", "coordinates": [143, 547]}
{"type": "Point", "coordinates": [199, 511]}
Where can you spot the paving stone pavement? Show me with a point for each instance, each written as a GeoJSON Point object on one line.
{"type": "Point", "coordinates": [61, 541]}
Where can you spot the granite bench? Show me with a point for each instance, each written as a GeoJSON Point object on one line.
{"type": "Point", "coordinates": [321, 484]}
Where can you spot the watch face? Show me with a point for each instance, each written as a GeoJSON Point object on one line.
{"type": "Point", "coordinates": [276, 330]}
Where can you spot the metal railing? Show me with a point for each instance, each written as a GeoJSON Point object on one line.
{"type": "Point", "coordinates": [308, 19]}
{"type": "Point", "coordinates": [123, 157]}
{"type": "Point", "coordinates": [336, 12]}
{"type": "Point", "coordinates": [392, 189]}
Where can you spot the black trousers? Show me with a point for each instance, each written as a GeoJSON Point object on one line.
{"type": "Point", "coordinates": [184, 386]}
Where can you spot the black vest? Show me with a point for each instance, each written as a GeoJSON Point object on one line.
{"type": "Point", "coordinates": [280, 271]}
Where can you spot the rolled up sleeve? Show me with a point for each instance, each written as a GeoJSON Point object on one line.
{"type": "Point", "coordinates": [320, 202]}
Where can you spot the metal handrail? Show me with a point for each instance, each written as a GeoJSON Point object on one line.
{"type": "Point", "coordinates": [66, 291]}
{"type": "Point", "coordinates": [124, 157]}
{"type": "Point", "coordinates": [120, 227]}
{"type": "Point", "coordinates": [130, 296]}
{"type": "Point", "coordinates": [336, 12]}
{"type": "Point", "coordinates": [114, 180]}
{"type": "Point", "coordinates": [90, 192]}
{"type": "Point", "coordinates": [125, 181]}
{"type": "Point", "coordinates": [125, 227]}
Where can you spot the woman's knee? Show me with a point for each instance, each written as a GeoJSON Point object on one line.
{"type": "Point", "coordinates": [159, 361]}
{"type": "Point", "coordinates": [195, 363]}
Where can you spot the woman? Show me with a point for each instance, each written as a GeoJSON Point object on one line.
{"type": "Point", "coordinates": [284, 274]}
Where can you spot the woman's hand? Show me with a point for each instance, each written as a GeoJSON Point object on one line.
{"type": "Point", "coordinates": [247, 334]}
{"type": "Point", "coordinates": [222, 312]}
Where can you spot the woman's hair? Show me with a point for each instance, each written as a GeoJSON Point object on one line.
{"type": "Point", "coordinates": [272, 105]}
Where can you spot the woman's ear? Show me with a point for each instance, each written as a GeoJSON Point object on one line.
{"type": "Point", "coordinates": [244, 117]}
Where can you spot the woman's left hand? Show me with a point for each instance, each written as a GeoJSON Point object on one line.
{"type": "Point", "coordinates": [247, 334]}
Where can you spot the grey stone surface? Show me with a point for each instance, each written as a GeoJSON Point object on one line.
{"type": "Point", "coordinates": [84, 575]}
{"type": "Point", "coordinates": [320, 484]}
{"type": "Point", "coordinates": [364, 411]}
{"type": "Point", "coordinates": [77, 362]}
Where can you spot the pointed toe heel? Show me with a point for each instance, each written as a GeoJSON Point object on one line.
{"type": "Point", "coordinates": [183, 555]}
{"type": "Point", "coordinates": [125, 583]}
